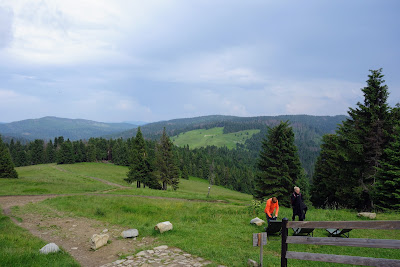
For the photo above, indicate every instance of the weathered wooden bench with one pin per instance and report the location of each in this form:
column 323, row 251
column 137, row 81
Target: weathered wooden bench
column 338, row 241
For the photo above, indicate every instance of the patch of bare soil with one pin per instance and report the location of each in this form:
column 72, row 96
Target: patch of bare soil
column 73, row 233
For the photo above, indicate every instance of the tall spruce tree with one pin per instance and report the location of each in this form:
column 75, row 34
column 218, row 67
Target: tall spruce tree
column 387, row 188
column 167, row 168
column 65, row 154
column 139, row 168
column 279, row 165
column 359, row 146
column 7, row 169
column 327, row 170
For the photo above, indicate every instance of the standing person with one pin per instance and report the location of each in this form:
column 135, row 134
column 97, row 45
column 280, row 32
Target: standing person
column 299, row 208
column 272, row 204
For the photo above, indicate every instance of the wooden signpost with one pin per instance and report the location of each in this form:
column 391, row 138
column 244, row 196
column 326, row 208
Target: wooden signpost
column 259, row 240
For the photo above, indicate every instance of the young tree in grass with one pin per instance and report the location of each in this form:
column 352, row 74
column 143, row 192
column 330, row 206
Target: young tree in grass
column 167, row 168
column 387, row 187
column 7, row 169
column 279, row 166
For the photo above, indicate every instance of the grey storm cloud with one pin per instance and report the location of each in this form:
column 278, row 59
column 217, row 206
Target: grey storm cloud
column 156, row 60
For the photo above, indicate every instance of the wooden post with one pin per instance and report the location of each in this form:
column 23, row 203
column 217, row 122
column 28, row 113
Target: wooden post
column 284, row 245
column 260, row 239
column 260, row 243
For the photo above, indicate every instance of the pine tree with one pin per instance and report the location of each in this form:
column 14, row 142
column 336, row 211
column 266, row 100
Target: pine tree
column 327, row 169
column 50, row 153
column 37, row 152
column 279, row 165
column 139, row 168
column 167, row 169
column 7, row 169
column 65, row 154
column 185, row 173
column 363, row 138
column 387, row 188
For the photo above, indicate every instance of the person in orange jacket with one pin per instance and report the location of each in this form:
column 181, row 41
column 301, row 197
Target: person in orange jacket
column 272, row 204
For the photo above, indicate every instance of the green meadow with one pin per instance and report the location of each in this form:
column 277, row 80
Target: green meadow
column 19, row 248
column 216, row 228
column 212, row 137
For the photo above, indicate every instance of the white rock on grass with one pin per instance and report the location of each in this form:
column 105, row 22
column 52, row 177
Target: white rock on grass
column 98, row 241
column 130, row 233
column 257, row 221
column 49, row 248
column 163, row 226
column 371, row 215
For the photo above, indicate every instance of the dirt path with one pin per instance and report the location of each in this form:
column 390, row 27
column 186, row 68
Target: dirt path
column 73, row 233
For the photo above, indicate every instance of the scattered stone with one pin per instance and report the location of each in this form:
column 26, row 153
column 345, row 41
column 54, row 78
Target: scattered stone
column 252, row 263
column 49, row 248
column 370, row 215
column 98, row 241
column 257, row 221
column 141, row 253
column 104, row 231
column 130, row 233
column 163, row 227
column 164, row 247
column 161, row 256
column 74, row 248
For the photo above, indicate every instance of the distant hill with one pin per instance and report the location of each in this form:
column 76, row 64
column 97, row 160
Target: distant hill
column 49, row 127
column 308, row 132
column 321, row 124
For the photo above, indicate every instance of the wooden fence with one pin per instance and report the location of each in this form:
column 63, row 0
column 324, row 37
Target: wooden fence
column 339, row 241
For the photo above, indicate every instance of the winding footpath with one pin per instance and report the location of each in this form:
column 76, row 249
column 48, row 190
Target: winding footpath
column 73, row 234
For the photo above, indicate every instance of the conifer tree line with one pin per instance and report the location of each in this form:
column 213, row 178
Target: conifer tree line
column 358, row 166
column 233, row 169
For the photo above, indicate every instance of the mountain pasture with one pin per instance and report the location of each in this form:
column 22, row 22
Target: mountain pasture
column 212, row 137
column 216, row 228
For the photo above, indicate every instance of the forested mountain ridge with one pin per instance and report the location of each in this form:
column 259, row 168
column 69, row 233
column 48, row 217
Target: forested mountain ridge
column 231, row 124
column 308, row 131
column 50, row 127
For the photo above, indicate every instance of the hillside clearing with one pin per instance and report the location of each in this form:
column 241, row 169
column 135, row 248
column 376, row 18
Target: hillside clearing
column 212, row 137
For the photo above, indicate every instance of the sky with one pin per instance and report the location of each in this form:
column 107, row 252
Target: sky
column 128, row 60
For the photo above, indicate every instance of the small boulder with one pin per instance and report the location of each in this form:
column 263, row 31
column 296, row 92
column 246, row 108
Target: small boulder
column 163, row 226
column 49, row 248
column 252, row 263
column 370, row 215
column 130, row 233
column 257, row 221
column 98, row 241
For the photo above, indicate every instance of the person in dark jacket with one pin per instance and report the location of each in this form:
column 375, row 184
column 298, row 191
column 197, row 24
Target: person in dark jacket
column 299, row 208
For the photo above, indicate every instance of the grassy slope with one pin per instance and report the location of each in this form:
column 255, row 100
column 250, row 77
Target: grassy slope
column 212, row 137
column 19, row 248
column 48, row 179
column 217, row 231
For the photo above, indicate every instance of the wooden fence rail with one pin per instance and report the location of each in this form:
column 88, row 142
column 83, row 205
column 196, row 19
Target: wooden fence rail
column 338, row 241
